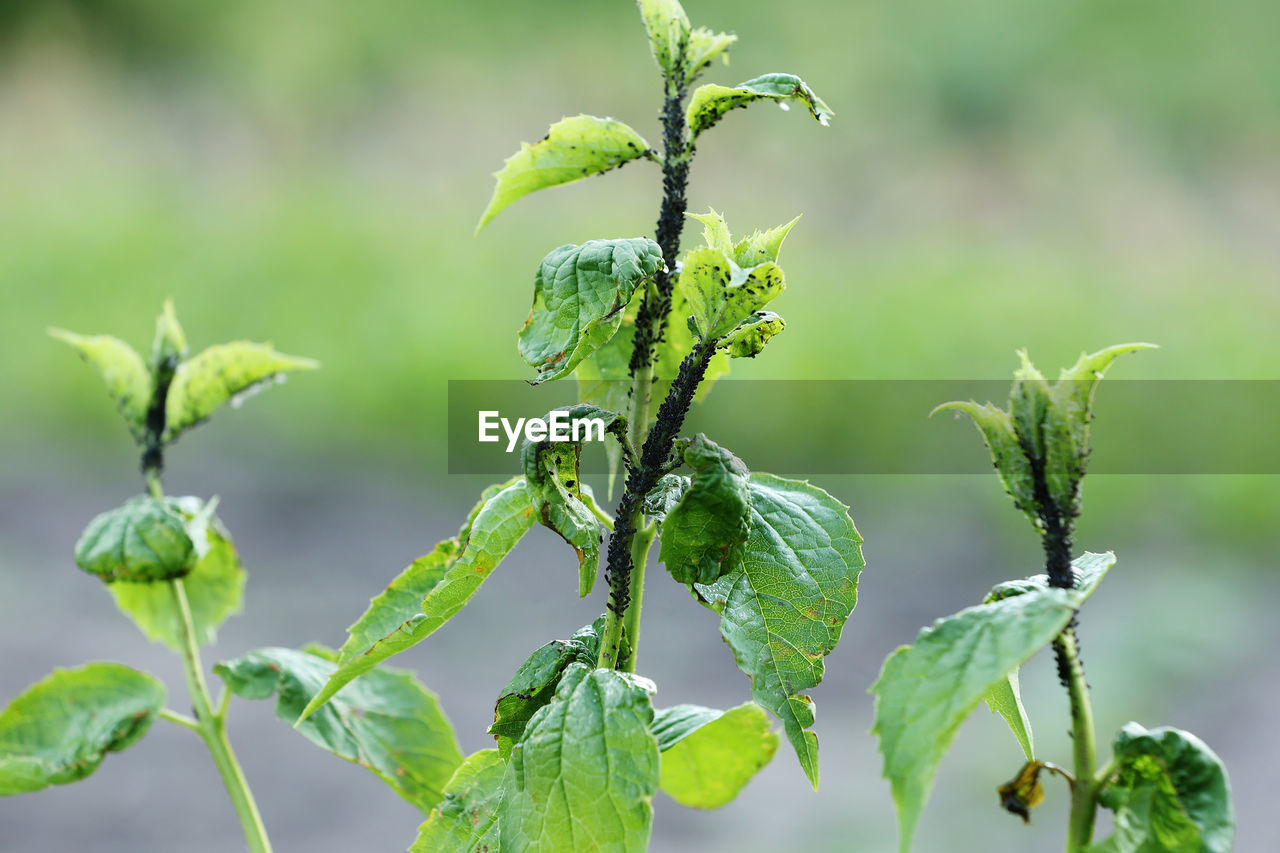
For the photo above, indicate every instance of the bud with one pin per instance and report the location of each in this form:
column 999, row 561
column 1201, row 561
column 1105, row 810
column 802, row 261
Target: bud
column 145, row 540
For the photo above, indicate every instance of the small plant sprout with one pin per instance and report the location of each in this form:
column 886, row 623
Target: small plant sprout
column 169, row 563
column 1167, row 789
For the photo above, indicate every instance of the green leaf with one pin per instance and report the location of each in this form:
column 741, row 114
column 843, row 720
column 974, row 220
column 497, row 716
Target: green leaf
column 710, row 102
column 214, row 588
column 145, row 540
column 58, row 730
column 169, row 346
column 665, row 496
column 221, row 373
column 435, row 587
column 583, row 776
column 126, row 376
column 926, row 690
column 720, row 294
column 715, row 231
column 466, row 820
column 705, row 46
column 668, row 27
column 573, row 148
column 748, row 339
column 386, row 722
column 1170, row 793
column 783, row 611
column 1045, row 428
column 580, row 294
column 534, row 684
column 762, row 246
column 562, row 501
column 708, row 756
column 1005, row 698
column 704, row 533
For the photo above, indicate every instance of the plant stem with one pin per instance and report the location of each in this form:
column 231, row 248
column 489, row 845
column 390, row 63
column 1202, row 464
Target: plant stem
column 1084, row 787
column 629, row 544
column 624, row 592
column 212, row 728
column 179, row 719
column 631, row 620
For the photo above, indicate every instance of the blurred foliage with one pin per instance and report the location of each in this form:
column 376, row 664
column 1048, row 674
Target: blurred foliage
column 1055, row 176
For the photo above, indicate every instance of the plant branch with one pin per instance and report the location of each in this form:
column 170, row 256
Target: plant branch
column 179, row 719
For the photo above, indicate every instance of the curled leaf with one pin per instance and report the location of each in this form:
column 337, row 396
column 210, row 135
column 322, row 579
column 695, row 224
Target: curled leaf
column 143, row 541
column 710, row 101
column 122, row 369
column 580, row 293
column 704, row 533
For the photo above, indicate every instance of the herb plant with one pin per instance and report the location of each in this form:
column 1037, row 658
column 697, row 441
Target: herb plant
column 169, row 563
column 1167, row 789
column 580, row 748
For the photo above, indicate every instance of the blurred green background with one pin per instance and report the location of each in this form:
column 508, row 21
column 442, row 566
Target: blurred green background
column 1057, row 176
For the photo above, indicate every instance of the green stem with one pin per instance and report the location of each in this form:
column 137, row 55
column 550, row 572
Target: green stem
column 212, row 728
column 1084, row 788
column 180, row 719
column 631, row 620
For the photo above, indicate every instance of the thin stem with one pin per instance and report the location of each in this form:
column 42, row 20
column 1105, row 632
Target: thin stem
column 179, row 719
column 212, row 728
column 631, row 620
column 1084, row 788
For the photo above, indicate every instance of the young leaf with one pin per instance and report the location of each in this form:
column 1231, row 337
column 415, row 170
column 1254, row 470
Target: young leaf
column 145, row 540
column 579, row 295
column 214, row 588
column 708, row 756
column 434, row 588
column 386, row 722
column 665, row 496
column 534, row 684
column 169, row 346
column 710, row 102
column 783, row 610
column 221, row 373
column 705, row 46
column 1170, row 793
column 926, row 690
column 721, row 295
column 125, row 374
column 748, row 339
column 573, row 148
column 466, row 820
column 704, row 533
column 584, row 774
column 58, row 730
column 996, row 426
column 668, row 29
column 762, row 246
column 1005, row 698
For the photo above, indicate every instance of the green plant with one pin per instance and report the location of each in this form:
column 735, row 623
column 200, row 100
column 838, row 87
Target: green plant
column 169, row 563
column 1168, row 791
column 580, row 748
